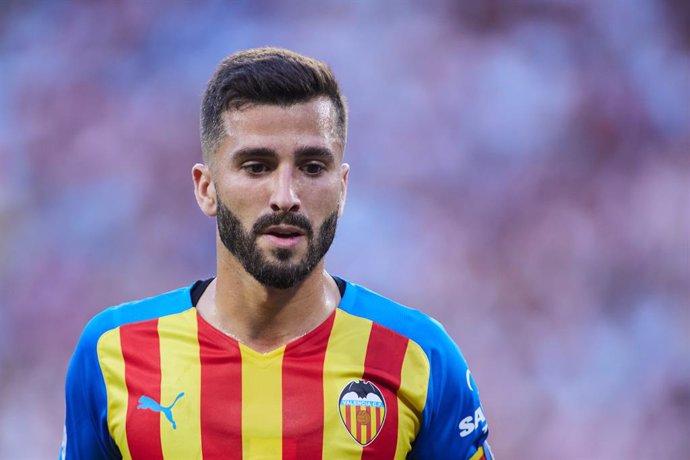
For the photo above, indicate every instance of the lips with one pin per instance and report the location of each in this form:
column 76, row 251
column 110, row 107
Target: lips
column 284, row 236
column 284, row 231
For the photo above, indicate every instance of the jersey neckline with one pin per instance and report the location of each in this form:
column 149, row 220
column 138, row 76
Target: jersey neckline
column 314, row 340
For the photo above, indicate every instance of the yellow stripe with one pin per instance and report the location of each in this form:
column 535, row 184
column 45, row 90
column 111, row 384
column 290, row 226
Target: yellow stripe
column 262, row 404
column 109, row 351
column 374, row 422
column 477, row 455
column 414, row 380
column 180, row 373
column 363, row 435
column 343, row 363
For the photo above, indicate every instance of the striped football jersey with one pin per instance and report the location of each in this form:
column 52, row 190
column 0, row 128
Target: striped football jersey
column 153, row 380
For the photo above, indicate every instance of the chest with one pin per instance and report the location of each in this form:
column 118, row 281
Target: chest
column 174, row 397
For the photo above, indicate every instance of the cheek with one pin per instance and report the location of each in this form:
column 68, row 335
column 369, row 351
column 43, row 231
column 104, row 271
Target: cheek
column 323, row 202
column 324, row 196
column 244, row 204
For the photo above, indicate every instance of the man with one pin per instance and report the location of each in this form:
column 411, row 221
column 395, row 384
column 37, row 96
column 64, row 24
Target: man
column 273, row 358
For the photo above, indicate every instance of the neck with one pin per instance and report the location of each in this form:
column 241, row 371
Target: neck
column 265, row 318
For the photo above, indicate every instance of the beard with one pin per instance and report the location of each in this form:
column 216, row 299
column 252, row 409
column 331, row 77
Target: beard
column 282, row 274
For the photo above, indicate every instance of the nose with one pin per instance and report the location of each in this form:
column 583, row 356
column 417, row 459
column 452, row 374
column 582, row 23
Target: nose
column 284, row 197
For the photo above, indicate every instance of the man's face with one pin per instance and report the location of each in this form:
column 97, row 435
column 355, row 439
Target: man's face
column 280, row 186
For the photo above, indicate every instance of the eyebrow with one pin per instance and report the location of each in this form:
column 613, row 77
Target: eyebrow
column 310, row 152
column 251, row 153
column 302, row 153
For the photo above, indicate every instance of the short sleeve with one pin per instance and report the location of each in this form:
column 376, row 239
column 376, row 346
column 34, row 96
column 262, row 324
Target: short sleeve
column 453, row 425
column 86, row 434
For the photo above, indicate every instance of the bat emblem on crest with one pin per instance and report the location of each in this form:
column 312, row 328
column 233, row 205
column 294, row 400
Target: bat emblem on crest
column 362, row 410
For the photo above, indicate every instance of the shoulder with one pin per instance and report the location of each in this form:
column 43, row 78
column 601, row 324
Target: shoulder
column 420, row 328
column 452, row 418
column 135, row 311
column 85, row 386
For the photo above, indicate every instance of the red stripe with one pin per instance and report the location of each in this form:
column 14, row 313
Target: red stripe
column 369, row 424
column 141, row 353
column 303, row 393
column 382, row 367
column 221, row 393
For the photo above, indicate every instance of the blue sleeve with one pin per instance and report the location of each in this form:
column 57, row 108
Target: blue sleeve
column 453, row 425
column 86, row 434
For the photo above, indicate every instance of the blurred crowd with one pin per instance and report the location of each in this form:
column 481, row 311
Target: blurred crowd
column 520, row 171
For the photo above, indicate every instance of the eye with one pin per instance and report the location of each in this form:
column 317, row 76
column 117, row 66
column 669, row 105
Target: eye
column 255, row 168
column 313, row 169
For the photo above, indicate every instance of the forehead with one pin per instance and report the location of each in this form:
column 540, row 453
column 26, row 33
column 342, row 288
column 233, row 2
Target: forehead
column 312, row 123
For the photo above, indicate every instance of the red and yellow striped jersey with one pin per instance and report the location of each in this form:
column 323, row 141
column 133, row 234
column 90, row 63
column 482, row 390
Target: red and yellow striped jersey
column 153, row 380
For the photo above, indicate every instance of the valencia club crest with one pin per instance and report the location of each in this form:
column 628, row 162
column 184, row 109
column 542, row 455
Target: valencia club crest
column 362, row 410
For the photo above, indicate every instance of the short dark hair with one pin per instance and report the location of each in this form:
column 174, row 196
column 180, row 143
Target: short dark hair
column 265, row 76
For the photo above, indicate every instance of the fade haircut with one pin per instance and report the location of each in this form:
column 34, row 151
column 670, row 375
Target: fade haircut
column 272, row 76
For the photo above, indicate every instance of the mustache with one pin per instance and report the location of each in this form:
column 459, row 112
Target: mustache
column 288, row 218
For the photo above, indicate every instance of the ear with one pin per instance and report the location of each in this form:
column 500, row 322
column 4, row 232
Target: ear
column 344, row 174
column 204, row 189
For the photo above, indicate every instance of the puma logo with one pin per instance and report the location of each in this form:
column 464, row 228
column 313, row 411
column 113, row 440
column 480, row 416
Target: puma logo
column 147, row 403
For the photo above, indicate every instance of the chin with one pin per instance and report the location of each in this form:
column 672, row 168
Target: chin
column 284, row 255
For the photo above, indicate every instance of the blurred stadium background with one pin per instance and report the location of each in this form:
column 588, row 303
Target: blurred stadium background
column 520, row 171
